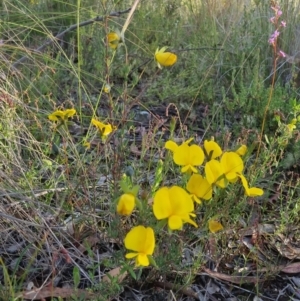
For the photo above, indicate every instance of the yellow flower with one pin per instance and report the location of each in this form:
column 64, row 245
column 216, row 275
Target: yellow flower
column 87, row 144
column 174, row 204
column 253, row 191
column 215, row 174
column 212, row 150
column 185, row 155
column 229, row 168
column 291, row 126
column 107, row 88
column 199, row 188
column 232, row 165
column 126, row 204
column 241, row 151
column 105, row 129
column 164, row 59
column 114, row 39
column 214, row 226
column 188, row 157
column 141, row 240
column 62, row 115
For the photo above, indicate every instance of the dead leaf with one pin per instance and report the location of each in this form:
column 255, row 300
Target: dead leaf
column 292, row 268
column 47, row 292
column 114, row 273
column 233, row 279
column 214, row 226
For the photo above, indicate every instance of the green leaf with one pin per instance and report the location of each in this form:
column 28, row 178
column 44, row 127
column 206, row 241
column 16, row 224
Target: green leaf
column 152, row 261
column 76, row 276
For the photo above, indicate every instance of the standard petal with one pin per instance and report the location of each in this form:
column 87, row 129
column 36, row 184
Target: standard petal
column 181, row 201
column 193, row 184
column 149, row 244
column 161, row 203
column 196, row 155
column 126, row 204
column 213, row 171
column 166, row 59
column 231, row 164
column 212, row 149
column 113, row 40
column 181, row 155
column 205, row 190
column 135, row 239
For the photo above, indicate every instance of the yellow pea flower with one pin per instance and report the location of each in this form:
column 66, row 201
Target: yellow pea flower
column 188, row 157
column 292, row 125
column 126, row 204
column 141, row 240
column 253, row 191
column 199, row 188
column 174, row 204
column 212, row 150
column 62, row 115
column 104, row 129
column 185, row 155
column 215, row 174
column 228, row 168
column 232, row 165
column 164, row 59
column 114, row 39
column 107, row 88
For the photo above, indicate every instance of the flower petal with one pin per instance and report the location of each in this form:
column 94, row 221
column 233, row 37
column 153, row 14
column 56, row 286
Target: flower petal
column 181, row 202
column 149, row 241
column 196, row 155
column 166, row 59
column 69, row 113
column 161, row 204
column 214, row 173
column 212, row 149
column 232, row 164
column 214, row 226
column 175, row 222
column 200, row 187
column 126, row 204
column 113, row 40
column 171, row 145
column 135, row 239
column 142, row 260
column 131, row 255
column 188, row 157
column 254, row 191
